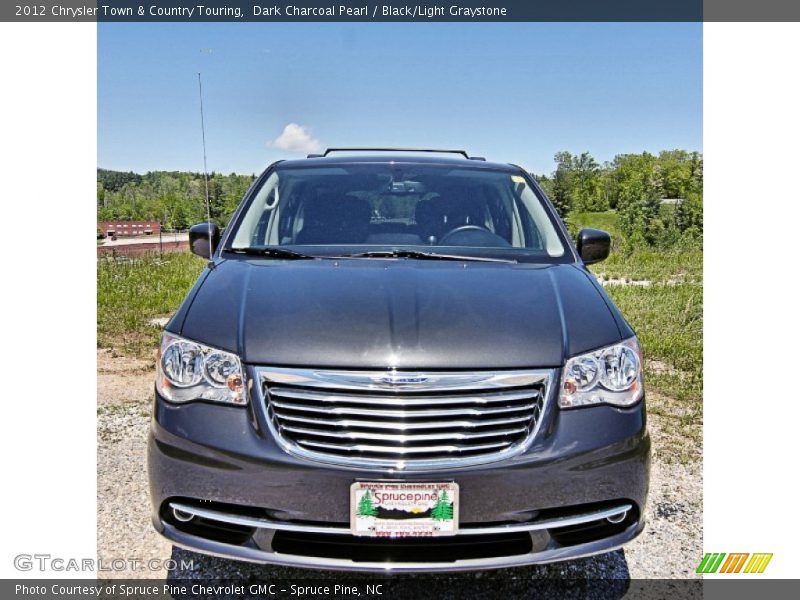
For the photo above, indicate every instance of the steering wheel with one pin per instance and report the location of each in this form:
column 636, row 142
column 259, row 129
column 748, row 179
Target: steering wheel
column 461, row 228
column 488, row 238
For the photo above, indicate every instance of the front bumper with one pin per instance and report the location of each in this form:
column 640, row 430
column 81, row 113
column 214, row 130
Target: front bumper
column 222, row 465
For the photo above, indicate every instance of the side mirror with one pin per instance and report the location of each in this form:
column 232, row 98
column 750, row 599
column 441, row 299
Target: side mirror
column 594, row 245
column 199, row 241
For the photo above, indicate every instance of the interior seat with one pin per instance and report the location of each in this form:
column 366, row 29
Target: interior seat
column 335, row 219
column 436, row 216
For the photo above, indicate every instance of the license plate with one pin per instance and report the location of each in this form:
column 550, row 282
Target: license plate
column 403, row 509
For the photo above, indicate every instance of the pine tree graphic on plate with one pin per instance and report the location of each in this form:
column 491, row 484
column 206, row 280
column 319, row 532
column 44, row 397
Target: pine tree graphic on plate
column 365, row 506
column 443, row 509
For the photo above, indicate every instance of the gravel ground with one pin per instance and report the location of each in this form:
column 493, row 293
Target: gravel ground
column 669, row 547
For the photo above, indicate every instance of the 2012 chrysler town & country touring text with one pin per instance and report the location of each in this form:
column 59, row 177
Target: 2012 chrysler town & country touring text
column 398, row 362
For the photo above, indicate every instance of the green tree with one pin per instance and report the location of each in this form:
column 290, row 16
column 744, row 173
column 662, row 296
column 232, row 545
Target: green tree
column 443, row 509
column 545, row 182
column 177, row 199
column 586, row 191
column 365, row 506
column 561, row 186
column 608, row 186
column 689, row 216
column 216, row 201
column 636, row 190
column 101, row 196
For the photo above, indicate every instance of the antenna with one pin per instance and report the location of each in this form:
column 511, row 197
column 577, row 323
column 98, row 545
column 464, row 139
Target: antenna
column 205, row 170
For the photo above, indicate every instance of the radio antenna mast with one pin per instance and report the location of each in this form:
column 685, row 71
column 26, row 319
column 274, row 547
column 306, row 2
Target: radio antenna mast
column 205, row 170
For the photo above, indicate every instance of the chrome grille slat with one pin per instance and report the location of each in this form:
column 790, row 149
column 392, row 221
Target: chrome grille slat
column 399, row 400
column 377, row 380
column 402, row 450
column 403, row 420
column 449, row 435
column 405, row 426
column 402, row 414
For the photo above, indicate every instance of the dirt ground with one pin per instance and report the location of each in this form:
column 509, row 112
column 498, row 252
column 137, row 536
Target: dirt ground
column 670, row 547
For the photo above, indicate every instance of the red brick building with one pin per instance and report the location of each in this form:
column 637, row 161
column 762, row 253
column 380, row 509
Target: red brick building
column 129, row 228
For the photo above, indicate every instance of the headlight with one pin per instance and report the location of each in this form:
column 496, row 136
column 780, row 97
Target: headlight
column 190, row 371
column 610, row 375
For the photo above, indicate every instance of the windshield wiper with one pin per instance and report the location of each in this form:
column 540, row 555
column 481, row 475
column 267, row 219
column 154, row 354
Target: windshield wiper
column 418, row 254
column 272, row 252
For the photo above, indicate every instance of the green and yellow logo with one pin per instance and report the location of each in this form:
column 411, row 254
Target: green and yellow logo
column 734, row 563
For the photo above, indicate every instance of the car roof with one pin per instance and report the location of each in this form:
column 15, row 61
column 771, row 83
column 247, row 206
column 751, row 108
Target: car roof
column 430, row 159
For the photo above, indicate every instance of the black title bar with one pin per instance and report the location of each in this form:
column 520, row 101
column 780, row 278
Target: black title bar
column 240, row 11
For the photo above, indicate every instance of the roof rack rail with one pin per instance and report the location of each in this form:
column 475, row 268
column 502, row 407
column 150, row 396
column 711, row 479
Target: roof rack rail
column 461, row 152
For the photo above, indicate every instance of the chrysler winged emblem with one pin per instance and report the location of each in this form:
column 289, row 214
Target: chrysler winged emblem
column 403, row 379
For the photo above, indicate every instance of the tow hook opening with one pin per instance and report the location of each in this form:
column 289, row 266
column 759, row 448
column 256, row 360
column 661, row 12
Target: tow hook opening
column 183, row 517
column 618, row 518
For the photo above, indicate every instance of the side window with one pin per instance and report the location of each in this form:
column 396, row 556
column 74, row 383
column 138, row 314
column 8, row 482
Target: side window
column 253, row 228
column 288, row 218
column 543, row 235
column 262, row 228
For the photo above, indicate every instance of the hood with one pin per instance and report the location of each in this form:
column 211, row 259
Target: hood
column 406, row 314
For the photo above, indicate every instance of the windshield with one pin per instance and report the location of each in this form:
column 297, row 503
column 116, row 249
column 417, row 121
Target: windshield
column 362, row 208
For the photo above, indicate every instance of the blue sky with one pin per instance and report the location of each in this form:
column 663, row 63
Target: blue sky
column 516, row 92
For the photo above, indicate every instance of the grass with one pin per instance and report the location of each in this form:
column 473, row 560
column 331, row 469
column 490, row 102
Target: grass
column 132, row 292
column 607, row 221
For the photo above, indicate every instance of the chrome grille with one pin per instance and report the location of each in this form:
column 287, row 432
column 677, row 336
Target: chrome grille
column 404, row 420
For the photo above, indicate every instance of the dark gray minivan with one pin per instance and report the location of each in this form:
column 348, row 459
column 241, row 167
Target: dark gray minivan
column 398, row 362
